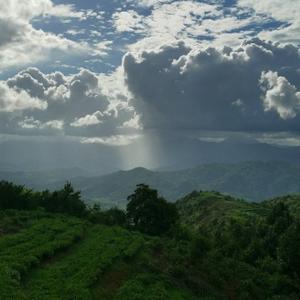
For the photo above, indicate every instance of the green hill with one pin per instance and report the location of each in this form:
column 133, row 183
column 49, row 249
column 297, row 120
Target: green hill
column 213, row 210
column 51, row 256
column 218, row 247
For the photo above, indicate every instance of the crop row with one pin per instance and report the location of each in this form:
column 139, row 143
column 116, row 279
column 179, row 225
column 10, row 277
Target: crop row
column 19, row 252
column 71, row 276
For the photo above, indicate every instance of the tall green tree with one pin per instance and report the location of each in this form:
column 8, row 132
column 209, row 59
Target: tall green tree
column 149, row 213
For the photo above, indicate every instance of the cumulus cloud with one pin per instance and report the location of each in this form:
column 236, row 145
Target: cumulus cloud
column 88, row 120
column 280, row 95
column 12, row 100
column 74, row 105
column 209, row 89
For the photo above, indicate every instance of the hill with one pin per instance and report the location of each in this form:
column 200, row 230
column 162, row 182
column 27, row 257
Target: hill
column 218, row 248
column 213, row 211
column 58, row 257
column 253, row 181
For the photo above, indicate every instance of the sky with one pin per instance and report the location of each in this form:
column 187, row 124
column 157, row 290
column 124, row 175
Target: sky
column 128, row 79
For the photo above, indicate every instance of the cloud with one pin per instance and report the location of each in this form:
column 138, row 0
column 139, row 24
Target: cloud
column 88, row 120
column 149, row 3
column 75, row 105
column 13, row 101
column 280, row 95
column 28, row 9
column 206, row 23
column 126, row 21
column 210, row 89
column 21, row 43
column 30, row 123
column 116, row 140
column 284, row 11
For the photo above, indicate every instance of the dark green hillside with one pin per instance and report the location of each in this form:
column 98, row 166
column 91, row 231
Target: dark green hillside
column 292, row 201
column 66, row 258
column 210, row 247
column 213, row 210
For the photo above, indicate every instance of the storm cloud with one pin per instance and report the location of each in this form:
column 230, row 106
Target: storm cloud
column 175, row 87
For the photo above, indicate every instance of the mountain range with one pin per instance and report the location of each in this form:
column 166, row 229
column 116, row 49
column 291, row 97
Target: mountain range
column 253, row 181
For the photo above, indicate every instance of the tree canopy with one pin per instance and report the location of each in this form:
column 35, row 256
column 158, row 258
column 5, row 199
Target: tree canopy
column 149, row 213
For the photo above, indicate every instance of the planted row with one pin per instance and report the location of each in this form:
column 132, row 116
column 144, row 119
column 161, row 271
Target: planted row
column 72, row 276
column 19, row 252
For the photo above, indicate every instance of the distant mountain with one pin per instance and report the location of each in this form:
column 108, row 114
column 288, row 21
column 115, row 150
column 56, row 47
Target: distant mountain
column 166, row 153
column 46, row 179
column 254, row 181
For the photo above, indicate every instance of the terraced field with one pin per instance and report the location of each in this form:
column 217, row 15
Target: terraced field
column 51, row 257
column 71, row 275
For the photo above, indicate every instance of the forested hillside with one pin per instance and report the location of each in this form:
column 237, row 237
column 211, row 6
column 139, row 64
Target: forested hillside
column 206, row 246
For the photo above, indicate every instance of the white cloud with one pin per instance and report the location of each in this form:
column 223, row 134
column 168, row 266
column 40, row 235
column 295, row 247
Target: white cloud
column 28, row 9
column 21, row 43
column 12, row 101
column 197, row 23
column 116, row 140
column 284, row 11
column 280, row 95
column 149, row 3
column 88, row 120
column 128, row 21
column 31, row 123
column 287, row 10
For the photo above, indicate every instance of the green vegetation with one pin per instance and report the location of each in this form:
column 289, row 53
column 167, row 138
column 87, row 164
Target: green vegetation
column 212, row 211
column 21, row 251
column 208, row 246
column 149, row 213
column 71, row 276
column 65, row 200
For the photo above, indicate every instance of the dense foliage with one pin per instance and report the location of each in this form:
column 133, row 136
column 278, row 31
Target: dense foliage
column 211, row 246
column 149, row 213
column 65, row 200
column 254, row 244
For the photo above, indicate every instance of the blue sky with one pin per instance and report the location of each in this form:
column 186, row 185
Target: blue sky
column 100, row 19
column 110, row 72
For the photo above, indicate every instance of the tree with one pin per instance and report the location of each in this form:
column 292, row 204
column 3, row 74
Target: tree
column 64, row 201
column 288, row 250
column 149, row 213
column 16, row 196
